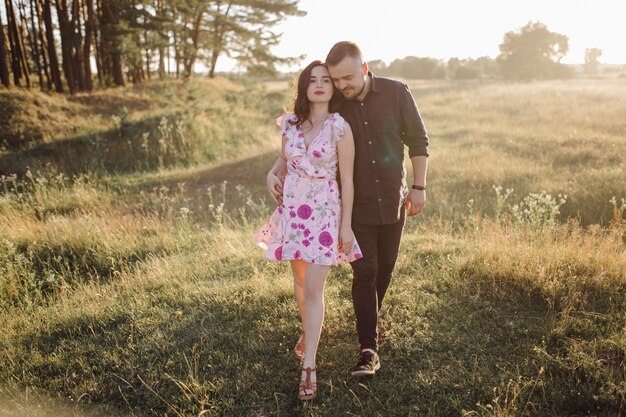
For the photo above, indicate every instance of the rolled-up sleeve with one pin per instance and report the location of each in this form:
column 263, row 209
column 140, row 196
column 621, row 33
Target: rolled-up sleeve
column 414, row 133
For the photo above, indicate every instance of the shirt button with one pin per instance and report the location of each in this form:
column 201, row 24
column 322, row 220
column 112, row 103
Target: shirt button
column 377, row 181
column 366, row 123
column 370, row 142
column 373, row 162
column 361, row 103
column 380, row 199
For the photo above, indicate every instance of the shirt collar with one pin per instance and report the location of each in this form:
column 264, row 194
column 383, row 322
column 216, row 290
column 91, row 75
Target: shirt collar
column 374, row 87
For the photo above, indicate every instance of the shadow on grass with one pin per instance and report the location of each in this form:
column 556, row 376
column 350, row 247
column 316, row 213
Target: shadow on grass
column 48, row 270
column 239, row 185
column 133, row 147
column 109, row 102
column 228, row 352
column 234, row 173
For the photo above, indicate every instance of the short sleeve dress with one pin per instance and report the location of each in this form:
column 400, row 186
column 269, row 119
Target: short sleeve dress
column 306, row 225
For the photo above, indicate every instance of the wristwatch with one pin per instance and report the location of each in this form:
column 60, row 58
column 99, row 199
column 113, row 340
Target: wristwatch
column 419, row 187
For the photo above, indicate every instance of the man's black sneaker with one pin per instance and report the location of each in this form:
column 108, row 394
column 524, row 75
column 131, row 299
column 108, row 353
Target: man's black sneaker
column 368, row 364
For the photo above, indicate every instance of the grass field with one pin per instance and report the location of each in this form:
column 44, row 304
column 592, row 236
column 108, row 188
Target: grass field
column 129, row 285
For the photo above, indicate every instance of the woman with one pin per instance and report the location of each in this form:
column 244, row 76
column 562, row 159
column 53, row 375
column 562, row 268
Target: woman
column 311, row 227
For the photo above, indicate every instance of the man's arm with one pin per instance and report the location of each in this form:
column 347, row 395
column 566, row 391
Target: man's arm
column 417, row 198
column 276, row 175
column 275, row 178
column 414, row 135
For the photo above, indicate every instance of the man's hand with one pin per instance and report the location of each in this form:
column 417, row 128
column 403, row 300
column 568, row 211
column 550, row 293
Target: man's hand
column 275, row 186
column 415, row 202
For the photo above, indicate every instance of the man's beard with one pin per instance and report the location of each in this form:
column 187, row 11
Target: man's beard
column 357, row 94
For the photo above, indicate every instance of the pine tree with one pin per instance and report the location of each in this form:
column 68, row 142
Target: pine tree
column 50, row 43
column 4, row 68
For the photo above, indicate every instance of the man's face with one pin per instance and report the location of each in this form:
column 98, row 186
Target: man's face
column 349, row 76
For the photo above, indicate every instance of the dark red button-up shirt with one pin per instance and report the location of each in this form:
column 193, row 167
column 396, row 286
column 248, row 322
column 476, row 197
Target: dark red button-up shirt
column 383, row 123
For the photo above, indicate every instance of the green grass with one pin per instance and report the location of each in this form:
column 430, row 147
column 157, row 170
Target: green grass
column 558, row 137
column 130, row 286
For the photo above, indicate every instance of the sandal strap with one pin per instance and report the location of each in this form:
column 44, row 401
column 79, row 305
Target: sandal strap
column 303, row 388
column 307, row 380
column 306, row 384
column 308, row 371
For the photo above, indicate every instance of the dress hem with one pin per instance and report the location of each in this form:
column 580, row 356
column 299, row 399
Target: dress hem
column 336, row 263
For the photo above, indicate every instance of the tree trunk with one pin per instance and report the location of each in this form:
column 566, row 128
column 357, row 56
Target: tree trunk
column 218, row 38
column 76, row 42
column 148, row 55
column 190, row 59
column 66, row 44
column 148, row 60
column 4, row 68
column 160, row 14
column 161, row 63
column 36, row 10
column 97, row 42
column 23, row 59
column 112, row 56
column 31, row 36
column 214, row 54
column 135, row 58
column 18, row 58
column 52, row 53
column 89, row 27
column 176, row 53
column 169, row 58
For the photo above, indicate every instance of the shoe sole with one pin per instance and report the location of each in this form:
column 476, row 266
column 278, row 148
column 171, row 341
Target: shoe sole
column 365, row 372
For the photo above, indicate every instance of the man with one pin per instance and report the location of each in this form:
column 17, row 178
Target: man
column 384, row 118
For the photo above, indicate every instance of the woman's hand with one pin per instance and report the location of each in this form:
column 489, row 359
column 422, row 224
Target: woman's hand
column 346, row 239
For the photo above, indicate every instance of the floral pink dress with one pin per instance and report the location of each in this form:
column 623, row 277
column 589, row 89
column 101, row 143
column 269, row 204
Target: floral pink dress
column 306, row 225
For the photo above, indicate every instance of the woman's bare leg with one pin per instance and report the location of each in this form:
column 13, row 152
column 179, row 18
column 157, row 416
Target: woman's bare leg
column 314, row 282
column 299, row 268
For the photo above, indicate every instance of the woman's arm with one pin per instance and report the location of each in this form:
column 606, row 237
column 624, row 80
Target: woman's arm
column 345, row 154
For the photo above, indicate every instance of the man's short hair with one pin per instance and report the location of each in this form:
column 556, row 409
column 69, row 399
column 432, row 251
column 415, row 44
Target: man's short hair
column 341, row 50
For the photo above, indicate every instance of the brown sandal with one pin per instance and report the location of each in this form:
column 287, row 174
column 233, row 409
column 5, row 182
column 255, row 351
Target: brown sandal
column 298, row 350
column 306, row 385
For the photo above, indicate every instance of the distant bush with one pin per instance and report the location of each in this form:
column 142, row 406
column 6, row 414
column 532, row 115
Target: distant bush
column 533, row 52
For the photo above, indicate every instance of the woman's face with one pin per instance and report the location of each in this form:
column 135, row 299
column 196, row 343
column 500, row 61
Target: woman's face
column 320, row 88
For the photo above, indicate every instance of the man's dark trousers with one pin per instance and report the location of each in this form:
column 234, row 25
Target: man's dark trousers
column 372, row 274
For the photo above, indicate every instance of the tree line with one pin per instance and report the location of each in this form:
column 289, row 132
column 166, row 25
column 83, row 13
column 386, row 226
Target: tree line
column 532, row 52
column 59, row 42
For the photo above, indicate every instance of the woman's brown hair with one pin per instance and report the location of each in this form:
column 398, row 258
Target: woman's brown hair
column 301, row 105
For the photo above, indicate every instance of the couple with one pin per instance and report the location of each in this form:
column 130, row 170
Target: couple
column 342, row 195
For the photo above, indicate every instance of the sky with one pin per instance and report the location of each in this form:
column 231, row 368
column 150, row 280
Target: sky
column 443, row 29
